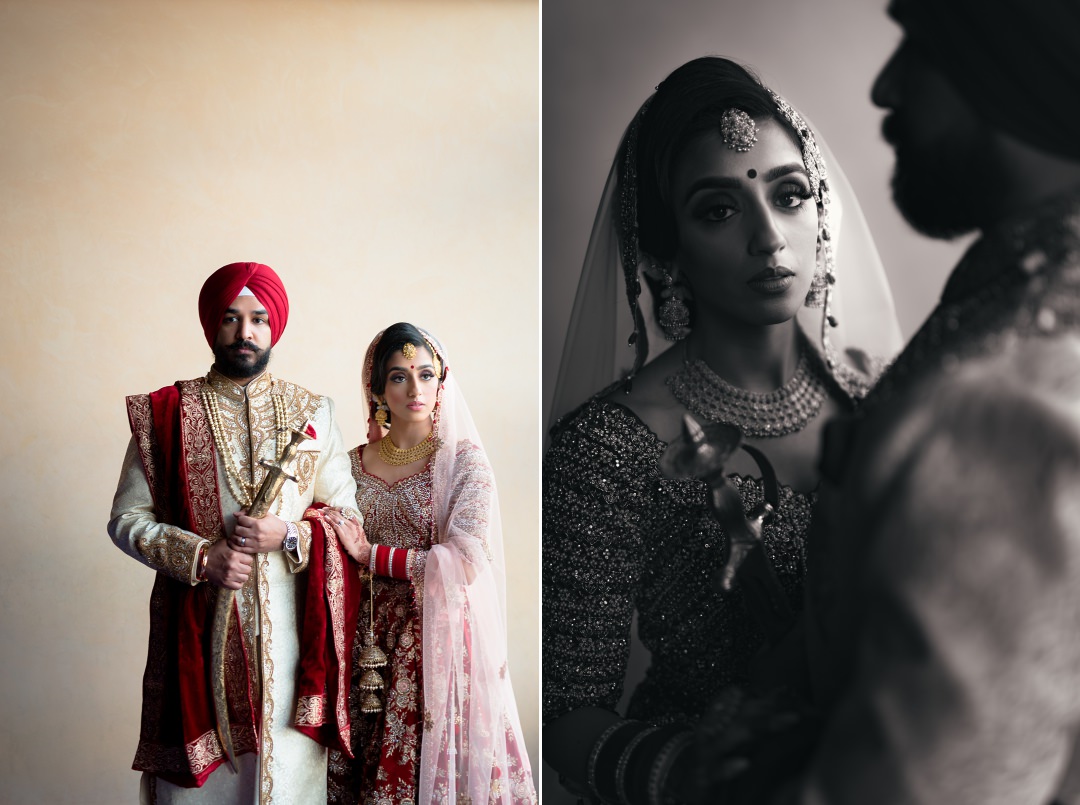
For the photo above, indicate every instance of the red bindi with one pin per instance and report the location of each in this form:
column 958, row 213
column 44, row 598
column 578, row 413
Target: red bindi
column 752, row 173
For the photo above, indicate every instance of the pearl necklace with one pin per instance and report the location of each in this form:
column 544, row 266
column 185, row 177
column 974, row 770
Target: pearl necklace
column 242, row 491
column 774, row 413
column 393, row 455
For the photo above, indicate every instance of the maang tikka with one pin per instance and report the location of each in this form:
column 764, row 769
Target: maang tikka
column 738, row 130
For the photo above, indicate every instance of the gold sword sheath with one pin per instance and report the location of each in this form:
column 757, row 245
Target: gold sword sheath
column 276, row 476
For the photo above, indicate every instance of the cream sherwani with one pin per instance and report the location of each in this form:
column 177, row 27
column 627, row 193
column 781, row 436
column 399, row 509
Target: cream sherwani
column 289, row 767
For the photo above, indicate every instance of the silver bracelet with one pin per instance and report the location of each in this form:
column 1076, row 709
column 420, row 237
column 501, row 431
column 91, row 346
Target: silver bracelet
column 624, row 761
column 594, row 756
column 662, row 766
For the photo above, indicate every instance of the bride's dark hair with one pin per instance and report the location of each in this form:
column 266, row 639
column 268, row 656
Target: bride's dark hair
column 393, row 339
column 688, row 103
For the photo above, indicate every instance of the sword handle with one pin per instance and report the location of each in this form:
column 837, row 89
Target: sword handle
column 276, row 476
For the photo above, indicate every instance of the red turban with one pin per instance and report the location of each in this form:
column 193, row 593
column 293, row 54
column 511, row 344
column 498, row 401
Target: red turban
column 1014, row 61
column 225, row 284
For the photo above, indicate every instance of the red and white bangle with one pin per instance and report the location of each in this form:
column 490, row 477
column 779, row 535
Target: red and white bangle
column 388, row 561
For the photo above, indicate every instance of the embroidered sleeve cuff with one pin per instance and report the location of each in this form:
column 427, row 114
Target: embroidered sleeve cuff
column 417, row 562
column 298, row 560
column 172, row 551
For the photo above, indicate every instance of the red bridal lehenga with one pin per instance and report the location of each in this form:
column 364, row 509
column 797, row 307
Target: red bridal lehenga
column 448, row 731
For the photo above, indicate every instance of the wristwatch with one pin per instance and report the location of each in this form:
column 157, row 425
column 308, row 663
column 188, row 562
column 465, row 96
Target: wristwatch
column 292, row 537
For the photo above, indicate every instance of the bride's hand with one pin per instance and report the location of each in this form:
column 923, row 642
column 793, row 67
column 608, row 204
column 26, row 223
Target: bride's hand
column 351, row 535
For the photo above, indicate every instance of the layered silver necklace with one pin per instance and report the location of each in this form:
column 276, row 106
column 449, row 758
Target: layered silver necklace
column 774, row 413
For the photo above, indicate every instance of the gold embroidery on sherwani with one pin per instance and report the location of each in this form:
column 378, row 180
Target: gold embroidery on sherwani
column 198, row 450
column 247, row 416
column 142, row 427
column 305, row 542
column 203, row 751
column 169, row 550
column 172, row 550
column 266, row 783
column 311, row 711
column 305, row 469
column 249, row 432
column 250, row 628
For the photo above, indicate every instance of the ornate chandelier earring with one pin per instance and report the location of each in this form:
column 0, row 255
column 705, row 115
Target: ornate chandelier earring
column 380, row 412
column 371, row 657
column 815, row 297
column 674, row 314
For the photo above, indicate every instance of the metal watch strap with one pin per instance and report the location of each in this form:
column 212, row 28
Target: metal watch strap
column 292, row 537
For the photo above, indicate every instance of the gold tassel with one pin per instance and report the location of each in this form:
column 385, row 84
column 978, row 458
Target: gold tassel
column 371, row 680
column 371, row 657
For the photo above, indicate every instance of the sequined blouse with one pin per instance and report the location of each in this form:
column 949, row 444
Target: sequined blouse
column 618, row 538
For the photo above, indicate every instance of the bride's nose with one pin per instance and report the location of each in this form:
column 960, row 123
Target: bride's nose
column 765, row 237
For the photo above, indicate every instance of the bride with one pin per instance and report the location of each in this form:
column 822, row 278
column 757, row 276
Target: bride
column 722, row 216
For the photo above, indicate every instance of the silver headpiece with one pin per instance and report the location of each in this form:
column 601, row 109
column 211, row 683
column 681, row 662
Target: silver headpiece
column 738, row 130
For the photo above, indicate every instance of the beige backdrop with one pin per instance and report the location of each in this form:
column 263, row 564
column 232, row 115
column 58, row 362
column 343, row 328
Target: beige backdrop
column 382, row 156
column 602, row 58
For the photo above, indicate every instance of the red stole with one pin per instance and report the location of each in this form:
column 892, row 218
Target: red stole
column 178, row 739
column 331, row 612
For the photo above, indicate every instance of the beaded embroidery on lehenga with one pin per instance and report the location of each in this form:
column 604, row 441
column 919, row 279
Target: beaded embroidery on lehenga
column 619, row 538
column 387, row 744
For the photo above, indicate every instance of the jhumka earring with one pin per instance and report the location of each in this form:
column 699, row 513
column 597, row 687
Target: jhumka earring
column 674, row 314
column 371, row 657
column 815, row 297
column 380, row 413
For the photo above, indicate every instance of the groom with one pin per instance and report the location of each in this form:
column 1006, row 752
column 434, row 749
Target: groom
column 943, row 587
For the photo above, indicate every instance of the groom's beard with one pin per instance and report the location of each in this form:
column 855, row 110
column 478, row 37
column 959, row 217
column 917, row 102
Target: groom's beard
column 240, row 367
column 947, row 188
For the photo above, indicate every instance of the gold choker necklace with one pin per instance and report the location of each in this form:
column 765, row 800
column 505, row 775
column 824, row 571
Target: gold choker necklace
column 393, row 455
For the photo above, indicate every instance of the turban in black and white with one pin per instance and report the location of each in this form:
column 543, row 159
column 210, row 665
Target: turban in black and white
column 1016, row 62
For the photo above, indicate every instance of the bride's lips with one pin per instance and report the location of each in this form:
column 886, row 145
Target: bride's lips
column 415, row 406
column 772, row 281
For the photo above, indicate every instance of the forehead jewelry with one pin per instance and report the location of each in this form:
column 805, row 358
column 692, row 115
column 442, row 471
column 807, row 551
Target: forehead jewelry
column 409, row 351
column 738, row 130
